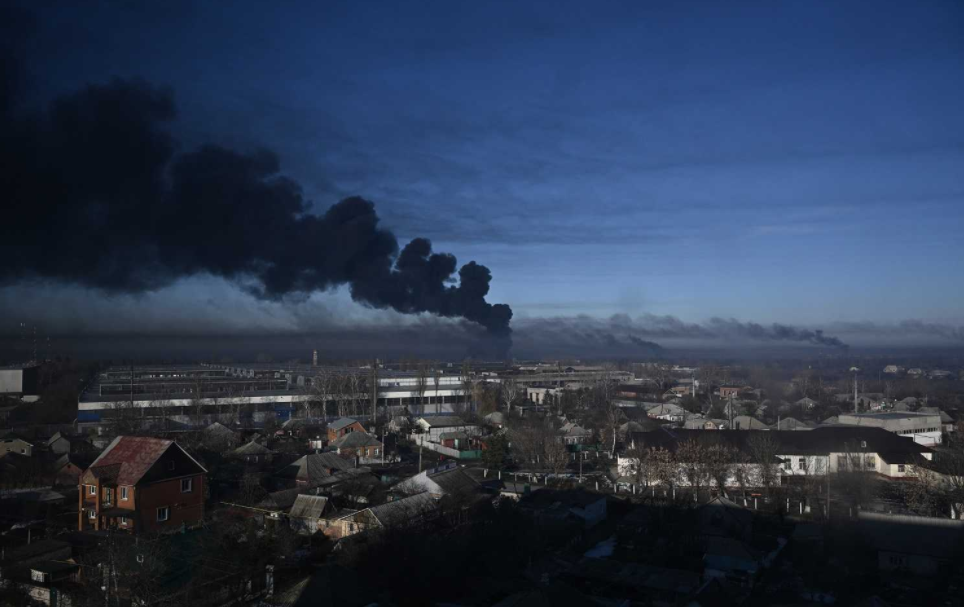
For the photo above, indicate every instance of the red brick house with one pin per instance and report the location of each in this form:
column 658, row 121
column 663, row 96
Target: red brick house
column 361, row 444
column 342, row 426
column 141, row 484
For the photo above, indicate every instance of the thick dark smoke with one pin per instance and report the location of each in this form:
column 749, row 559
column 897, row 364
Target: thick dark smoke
column 95, row 193
column 775, row 332
column 649, row 326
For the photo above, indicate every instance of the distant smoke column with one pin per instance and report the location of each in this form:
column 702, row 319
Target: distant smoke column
column 314, row 358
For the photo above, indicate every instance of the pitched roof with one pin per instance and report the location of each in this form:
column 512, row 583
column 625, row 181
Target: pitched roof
column 819, row 441
column 454, row 481
column 218, row 428
column 341, row 422
column 792, row 423
column 404, row 510
column 443, row 421
column 253, row 448
column 354, row 440
column 280, row 500
column 573, row 429
column 448, row 481
column 746, row 422
column 81, row 460
column 453, row 435
column 309, row 506
column 128, row 458
column 314, row 468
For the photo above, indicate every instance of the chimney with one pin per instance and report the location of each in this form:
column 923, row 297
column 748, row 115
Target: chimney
column 314, row 358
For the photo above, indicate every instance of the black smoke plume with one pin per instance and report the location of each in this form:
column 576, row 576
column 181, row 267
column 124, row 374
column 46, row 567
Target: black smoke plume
column 95, row 193
column 649, row 326
column 774, row 332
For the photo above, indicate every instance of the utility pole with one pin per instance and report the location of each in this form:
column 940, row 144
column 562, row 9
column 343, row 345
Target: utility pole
column 855, row 370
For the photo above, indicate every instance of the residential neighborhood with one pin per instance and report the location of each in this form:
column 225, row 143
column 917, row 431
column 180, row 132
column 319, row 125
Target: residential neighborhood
column 611, row 488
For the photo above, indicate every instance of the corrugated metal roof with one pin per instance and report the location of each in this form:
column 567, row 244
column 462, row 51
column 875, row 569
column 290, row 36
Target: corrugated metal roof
column 355, row 439
column 314, row 468
column 128, row 458
column 309, row 506
column 341, row 422
column 443, row 421
column 404, row 510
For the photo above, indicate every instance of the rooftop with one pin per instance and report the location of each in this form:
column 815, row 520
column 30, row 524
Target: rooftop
column 309, row 506
column 888, row 415
column 443, row 421
column 129, row 458
column 354, row 440
column 341, row 422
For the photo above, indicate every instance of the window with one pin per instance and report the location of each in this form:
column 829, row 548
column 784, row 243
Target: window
column 124, row 493
column 123, row 521
column 802, row 463
column 91, row 514
column 870, row 462
column 91, row 490
column 900, row 467
column 788, row 465
column 187, row 484
column 163, row 513
column 170, row 465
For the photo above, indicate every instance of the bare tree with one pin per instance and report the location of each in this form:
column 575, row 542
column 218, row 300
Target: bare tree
column 764, row 451
column 640, row 468
column 554, row 453
column 744, row 471
column 436, row 380
column 509, row 391
column 421, row 384
column 853, row 480
column 663, row 466
column 353, row 383
column 613, row 416
column 720, row 464
column 318, row 389
column 467, row 388
column 662, row 374
column 693, row 458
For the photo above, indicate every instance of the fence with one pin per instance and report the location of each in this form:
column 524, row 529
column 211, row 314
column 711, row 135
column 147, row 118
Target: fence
column 421, row 439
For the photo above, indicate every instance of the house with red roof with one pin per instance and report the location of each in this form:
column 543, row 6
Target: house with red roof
column 141, row 484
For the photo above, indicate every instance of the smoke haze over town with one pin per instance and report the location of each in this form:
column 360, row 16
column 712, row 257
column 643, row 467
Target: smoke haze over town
column 608, row 172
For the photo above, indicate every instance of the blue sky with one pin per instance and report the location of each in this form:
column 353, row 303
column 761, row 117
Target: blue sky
column 794, row 162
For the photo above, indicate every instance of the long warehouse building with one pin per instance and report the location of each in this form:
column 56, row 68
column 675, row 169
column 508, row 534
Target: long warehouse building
column 253, row 394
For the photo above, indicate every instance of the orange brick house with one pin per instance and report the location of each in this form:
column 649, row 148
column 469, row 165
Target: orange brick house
column 141, row 484
column 342, row 426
